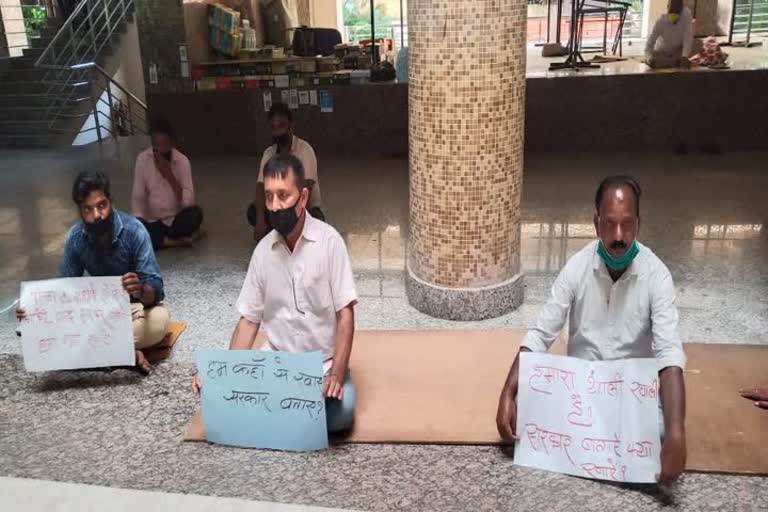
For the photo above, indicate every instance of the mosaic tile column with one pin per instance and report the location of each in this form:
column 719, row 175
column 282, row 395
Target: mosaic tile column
column 466, row 96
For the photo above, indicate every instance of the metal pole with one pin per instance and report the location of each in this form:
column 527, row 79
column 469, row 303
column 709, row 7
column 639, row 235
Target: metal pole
column 749, row 22
column 402, row 35
column 95, row 107
column 90, row 29
column 733, row 21
column 130, row 113
column 373, row 36
column 111, row 106
column 549, row 18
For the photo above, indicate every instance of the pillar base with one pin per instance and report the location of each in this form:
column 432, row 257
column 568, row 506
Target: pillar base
column 464, row 303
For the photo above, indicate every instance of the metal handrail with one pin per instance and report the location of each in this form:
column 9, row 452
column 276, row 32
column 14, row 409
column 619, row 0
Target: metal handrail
column 69, row 63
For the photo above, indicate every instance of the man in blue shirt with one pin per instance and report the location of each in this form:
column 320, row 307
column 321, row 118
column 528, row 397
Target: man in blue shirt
column 108, row 242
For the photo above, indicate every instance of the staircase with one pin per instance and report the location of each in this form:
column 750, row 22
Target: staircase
column 57, row 87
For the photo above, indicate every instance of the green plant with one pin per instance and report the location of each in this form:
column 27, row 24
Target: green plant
column 357, row 18
column 34, row 20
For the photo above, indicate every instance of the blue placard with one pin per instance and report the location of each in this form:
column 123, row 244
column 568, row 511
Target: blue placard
column 263, row 399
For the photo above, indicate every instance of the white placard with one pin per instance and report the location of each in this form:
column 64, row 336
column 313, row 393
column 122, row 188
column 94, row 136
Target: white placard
column 282, row 81
column 313, row 97
column 284, row 96
column 303, row 97
column 267, row 97
column 293, row 99
column 594, row 419
column 80, row 322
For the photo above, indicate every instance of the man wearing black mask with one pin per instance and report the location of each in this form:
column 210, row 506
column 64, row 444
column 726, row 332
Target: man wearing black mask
column 300, row 289
column 108, row 242
column 284, row 142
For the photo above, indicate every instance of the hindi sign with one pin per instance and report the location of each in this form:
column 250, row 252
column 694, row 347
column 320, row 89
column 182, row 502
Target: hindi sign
column 78, row 322
column 263, row 399
column 594, row 419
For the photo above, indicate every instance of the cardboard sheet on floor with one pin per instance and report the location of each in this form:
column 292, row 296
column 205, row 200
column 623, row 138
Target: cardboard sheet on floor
column 164, row 349
column 442, row 387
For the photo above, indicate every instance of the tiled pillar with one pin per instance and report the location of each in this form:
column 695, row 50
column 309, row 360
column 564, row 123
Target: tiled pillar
column 466, row 97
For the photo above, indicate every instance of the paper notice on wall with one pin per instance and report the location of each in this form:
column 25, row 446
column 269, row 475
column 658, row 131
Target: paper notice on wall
column 593, row 419
column 282, row 81
column 293, row 99
column 303, row 97
column 153, row 79
column 79, row 322
column 284, row 95
column 183, row 53
column 326, row 102
column 185, row 69
column 267, row 97
column 313, row 98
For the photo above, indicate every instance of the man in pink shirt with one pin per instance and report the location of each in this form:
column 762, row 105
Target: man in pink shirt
column 163, row 196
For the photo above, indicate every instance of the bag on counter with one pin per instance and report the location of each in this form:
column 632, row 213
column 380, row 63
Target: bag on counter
column 308, row 42
column 711, row 54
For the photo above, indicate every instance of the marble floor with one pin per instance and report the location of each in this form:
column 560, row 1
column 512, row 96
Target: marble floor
column 704, row 215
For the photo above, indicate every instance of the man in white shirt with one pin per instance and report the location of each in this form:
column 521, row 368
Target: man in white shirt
column 284, row 142
column 300, row 288
column 671, row 41
column 620, row 302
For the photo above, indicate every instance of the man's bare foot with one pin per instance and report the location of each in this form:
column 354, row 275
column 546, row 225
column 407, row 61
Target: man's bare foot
column 197, row 235
column 177, row 242
column 142, row 364
column 757, row 394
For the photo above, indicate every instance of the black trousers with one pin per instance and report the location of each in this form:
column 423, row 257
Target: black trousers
column 316, row 212
column 187, row 221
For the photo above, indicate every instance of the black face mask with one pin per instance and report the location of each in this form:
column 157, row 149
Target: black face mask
column 282, row 141
column 167, row 155
column 100, row 229
column 284, row 220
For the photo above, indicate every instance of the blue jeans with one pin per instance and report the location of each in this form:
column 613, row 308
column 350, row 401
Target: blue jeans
column 340, row 413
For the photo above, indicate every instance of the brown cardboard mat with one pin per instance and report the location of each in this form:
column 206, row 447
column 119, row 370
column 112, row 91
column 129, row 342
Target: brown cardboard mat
column 163, row 350
column 442, row 387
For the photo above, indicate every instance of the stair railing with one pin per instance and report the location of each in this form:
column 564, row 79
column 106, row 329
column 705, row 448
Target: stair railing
column 79, row 41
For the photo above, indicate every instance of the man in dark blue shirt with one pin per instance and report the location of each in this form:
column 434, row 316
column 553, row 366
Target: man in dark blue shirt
column 108, row 242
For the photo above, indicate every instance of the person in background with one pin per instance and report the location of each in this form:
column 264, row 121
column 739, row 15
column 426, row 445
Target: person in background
column 670, row 44
column 284, row 142
column 108, row 242
column 163, row 197
column 620, row 301
column 300, row 288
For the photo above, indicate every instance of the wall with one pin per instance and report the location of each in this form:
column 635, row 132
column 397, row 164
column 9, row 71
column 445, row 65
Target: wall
column 614, row 113
column 126, row 62
column 161, row 31
column 326, row 13
column 15, row 36
column 124, row 66
column 3, row 41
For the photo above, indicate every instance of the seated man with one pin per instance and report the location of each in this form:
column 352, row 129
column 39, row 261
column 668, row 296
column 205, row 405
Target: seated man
column 163, row 196
column 300, row 288
column 108, row 242
column 621, row 302
column 670, row 44
column 281, row 122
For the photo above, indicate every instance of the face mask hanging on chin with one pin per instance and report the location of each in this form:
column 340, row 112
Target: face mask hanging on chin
column 617, row 264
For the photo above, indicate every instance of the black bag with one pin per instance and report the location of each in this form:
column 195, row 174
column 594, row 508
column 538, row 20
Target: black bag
column 308, row 42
